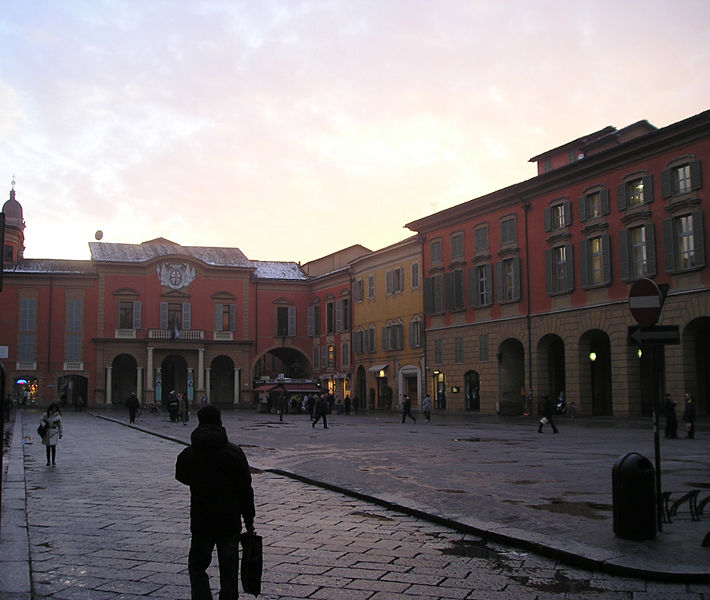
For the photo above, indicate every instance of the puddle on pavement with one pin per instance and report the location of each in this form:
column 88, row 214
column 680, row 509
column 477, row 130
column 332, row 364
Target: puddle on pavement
column 448, row 491
column 471, row 549
column 559, row 584
column 589, row 510
column 368, row 515
column 504, row 441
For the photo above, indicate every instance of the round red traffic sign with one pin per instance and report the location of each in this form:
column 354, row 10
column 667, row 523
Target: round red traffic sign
column 645, row 301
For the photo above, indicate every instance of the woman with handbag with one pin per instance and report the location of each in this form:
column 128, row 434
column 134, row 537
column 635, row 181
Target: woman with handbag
column 51, row 421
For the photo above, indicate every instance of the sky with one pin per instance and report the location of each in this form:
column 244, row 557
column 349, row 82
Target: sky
column 292, row 129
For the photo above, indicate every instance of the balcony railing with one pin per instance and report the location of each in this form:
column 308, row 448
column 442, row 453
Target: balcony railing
column 74, row 366
column 182, row 334
column 126, row 334
column 223, row 335
column 27, row 365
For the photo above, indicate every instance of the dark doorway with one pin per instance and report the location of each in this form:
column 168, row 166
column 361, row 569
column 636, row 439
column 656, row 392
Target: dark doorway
column 174, row 376
column 473, row 390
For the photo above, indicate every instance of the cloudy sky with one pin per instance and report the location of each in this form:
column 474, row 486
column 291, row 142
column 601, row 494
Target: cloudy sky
column 292, row 129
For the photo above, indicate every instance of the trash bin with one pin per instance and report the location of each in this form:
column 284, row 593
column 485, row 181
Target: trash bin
column 634, row 497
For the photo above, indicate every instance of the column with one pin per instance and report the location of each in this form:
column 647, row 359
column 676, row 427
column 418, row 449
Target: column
column 208, row 374
column 201, row 370
column 149, row 380
column 139, row 384
column 108, row 385
column 237, row 385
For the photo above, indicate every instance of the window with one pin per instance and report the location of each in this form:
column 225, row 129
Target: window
column 357, row 290
column 175, row 315
column 683, row 242
column 28, row 325
column 415, row 276
column 371, row 340
column 480, row 286
column 330, row 317
column 453, row 290
column 394, row 281
column 313, row 318
column 285, row 321
column 435, row 251
column 480, row 238
column 344, row 354
column 342, row 315
column 370, row 287
column 224, row 317
column 359, row 342
column 483, row 347
column 637, row 252
column 681, row 179
column 28, row 316
column 558, row 216
column 594, row 204
column 508, row 233
column 438, row 352
column 392, row 338
column 458, row 350
column 331, row 357
column 635, row 192
column 559, row 272
column 73, row 330
column 594, row 260
column 456, row 241
column 433, row 295
column 415, row 333
column 508, row 280
column 129, row 314
column 316, row 357
column 324, row 357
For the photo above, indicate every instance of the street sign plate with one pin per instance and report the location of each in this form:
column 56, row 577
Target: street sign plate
column 645, row 301
column 654, row 334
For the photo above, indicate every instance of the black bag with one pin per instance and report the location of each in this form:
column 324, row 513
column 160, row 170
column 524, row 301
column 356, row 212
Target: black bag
column 42, row 429
column 252, row 563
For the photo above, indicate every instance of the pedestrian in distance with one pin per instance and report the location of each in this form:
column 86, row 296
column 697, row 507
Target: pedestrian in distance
column 547, row 410
column 689, row 415
column 321, row 411
column 52, row 421
column 426, row 407
column 348, row 405
column 184, row 408
column 221, row 497
column 133, row 405
column 407, row 409
column 671, row 417
column 281, row 404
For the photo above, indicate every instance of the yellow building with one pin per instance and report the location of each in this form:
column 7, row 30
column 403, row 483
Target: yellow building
column 388, row 326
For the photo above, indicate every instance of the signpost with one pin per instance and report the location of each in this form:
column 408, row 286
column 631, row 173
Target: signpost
column 646, row 302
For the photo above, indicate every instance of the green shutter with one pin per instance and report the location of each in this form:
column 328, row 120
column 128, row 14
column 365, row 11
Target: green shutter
column 621, row 196
column 137, row 317
column 647, row 189
column 666, row 187
column 186, row 316
column 472, row 285
column 669, row 245
column 624, row 254
column 650, row 248
column 218, row 317
column 291, row 321
column 606, row 255
column 569, row 269
column 605, row 201
column 567, row 207
column 547, row 223
column 516, row 279
column 583, row 264
column 582, row 209
column 163, row 315
column 698, row 239
column 499, row 281
column 695, row 179
column 549, row 282
column 232, row 317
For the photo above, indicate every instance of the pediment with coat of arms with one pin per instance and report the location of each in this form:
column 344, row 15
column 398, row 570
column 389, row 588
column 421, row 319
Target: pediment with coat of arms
column 175, row 276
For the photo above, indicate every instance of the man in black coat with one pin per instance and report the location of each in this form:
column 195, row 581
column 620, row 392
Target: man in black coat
column 133, row 405
column 221, row 496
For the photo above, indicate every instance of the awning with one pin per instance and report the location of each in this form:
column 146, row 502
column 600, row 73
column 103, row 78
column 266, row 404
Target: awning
column 377, row 368
column 290, row 388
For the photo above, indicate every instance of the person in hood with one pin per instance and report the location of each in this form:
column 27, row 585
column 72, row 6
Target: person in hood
column 221, row 497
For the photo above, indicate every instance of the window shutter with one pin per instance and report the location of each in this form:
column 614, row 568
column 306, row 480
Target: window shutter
column 386, row 338
column 499, row 281
column 699, row 239
column 606, row 252
column 582, row 209
column 548, row 224
column 624, row 254
column 316, row 358
column 695, row 179
column 218, row 317
column 411, row 334
column 118, row 314
column 516, row 279
column 650, row 248
column 324, row 357
column 569, row 268
column 186, row 314
column 338, row 315
column 472, row 285
column 549, row 282
column 371, row 340
column 583, row 264
column 666, row 188
column 428, row 296
column 621, row 195
column 163, row 315
column 567, row 207
column 605, row 201
column 309, row 326
column 647, row 189
column 137, row 314
column 489, row 284
column 668, row 245
column 232, row 317
column 291, row 321
column 449, row 301
column 389, row 286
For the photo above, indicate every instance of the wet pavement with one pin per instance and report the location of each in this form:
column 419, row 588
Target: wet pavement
column 469, row 507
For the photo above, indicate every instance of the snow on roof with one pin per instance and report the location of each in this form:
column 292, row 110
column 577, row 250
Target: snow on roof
column 278, row 270
column 218, row 257
column 50, row 265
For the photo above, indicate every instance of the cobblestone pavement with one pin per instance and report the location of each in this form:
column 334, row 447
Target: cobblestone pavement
column 110, row 522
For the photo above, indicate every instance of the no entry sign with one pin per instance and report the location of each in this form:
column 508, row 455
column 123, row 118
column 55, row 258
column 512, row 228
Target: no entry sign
column 645, row 302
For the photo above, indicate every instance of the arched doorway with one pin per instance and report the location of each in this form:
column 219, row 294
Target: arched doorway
column 551, row 366
column 173, row 372
column 288, row 362
column 472, row 382
column 124, row 369
column 595, row 373
column 222, row 381
column 511, row 377
column 74, row 390
column 696, row 359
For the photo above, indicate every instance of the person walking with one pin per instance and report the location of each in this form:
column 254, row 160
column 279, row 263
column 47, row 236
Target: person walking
column 407, row 409
column 671, row 417
column 426, row 407
column 689, row 415
column 547, row 410
column 321, row 411
column 221, row 497
column 184, row 408
column 133, row 405
column 52, row 421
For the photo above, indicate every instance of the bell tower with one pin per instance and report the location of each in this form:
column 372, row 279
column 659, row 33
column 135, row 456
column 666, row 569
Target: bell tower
column 14, row 244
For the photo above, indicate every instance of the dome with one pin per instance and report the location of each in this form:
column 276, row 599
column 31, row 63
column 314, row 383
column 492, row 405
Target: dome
column 13, row 212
